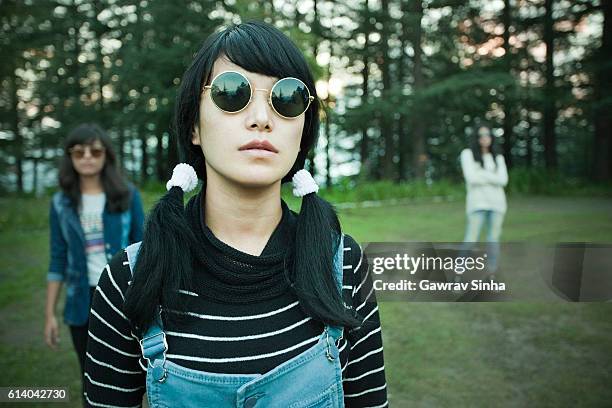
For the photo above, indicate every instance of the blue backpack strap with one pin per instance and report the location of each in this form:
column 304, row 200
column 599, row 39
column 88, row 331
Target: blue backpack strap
column 153, row 344
column 337, row 331
column 132, row 255
column 339, row 263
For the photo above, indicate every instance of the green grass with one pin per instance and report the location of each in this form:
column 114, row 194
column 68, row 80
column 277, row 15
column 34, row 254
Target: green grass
column 436, row 354
column 537, row 219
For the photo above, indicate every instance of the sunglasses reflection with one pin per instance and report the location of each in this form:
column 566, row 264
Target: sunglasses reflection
column 231, row 92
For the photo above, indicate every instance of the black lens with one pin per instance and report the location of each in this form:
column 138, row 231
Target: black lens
column 230, row 91
column 290, row 97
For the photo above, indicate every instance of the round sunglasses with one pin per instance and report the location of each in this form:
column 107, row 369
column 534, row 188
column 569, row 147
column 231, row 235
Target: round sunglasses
column 232, row 92
column 78, row 151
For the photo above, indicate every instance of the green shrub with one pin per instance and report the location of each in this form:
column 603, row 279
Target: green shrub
column 541, row 181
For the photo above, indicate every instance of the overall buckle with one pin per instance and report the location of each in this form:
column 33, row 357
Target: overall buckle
column 160, row 376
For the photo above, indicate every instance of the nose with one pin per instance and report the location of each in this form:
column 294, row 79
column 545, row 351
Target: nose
column 259, row 113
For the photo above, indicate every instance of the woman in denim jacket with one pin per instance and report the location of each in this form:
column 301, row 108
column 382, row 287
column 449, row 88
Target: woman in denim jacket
column 95, row 214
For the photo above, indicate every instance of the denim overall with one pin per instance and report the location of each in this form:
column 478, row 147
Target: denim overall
column 312, row 379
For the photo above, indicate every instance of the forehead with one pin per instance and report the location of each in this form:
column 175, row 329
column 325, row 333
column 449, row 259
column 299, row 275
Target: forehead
column 483, row 131
column 224, row 64
column 91, row 142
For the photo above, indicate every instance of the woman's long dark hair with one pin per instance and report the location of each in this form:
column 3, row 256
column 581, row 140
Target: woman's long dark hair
column 475, row 147
column 164, row 261
column 114, row 185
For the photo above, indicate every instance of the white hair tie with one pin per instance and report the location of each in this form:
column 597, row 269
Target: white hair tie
column 303, row 183
column 183, row 176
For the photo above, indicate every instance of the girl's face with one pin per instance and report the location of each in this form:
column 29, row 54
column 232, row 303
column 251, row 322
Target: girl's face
column 484, row 137
column 222, row 136
column 88, row 158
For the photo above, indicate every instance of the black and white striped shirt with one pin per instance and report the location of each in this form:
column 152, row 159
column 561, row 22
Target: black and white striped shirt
column 233, row 338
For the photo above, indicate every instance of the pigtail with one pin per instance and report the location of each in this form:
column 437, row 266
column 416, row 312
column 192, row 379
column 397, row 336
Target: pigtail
column 317, row 239
column 164, row 260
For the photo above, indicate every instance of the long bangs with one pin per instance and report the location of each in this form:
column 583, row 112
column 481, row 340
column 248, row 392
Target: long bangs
column 264, row 51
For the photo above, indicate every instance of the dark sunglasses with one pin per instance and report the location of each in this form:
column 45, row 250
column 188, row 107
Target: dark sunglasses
column 78, row 152
column 231, row 92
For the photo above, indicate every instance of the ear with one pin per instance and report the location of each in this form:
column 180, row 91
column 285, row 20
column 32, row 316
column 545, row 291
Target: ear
column 195, row 136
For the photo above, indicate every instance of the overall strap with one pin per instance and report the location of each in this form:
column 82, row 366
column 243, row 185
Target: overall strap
column 336, row 331
column 132, row 255
column 153, row 344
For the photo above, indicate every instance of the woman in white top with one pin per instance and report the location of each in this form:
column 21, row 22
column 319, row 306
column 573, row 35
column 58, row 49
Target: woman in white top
column 485, row 176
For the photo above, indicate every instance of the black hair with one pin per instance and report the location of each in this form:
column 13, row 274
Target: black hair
column 159, row 274
column 475, row 145
column 114, row 185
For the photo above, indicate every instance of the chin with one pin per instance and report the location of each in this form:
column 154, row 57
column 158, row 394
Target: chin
column 252, row 178
column 88, row 172
column 253, row 182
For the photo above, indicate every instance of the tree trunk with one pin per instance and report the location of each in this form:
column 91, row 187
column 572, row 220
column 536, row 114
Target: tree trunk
column 18, row 139
column 316, row 28
column 173, row 158
column 402, row 142
column 99, row 29
column 133, row 144
column 508, row 100
column 328, row 113
column 529, row 142
column 328, row 180
column 35, row 162
column 550, row 112
column 419, row 156
column 603, row 91
column 121, row 149
column 385, row 125
column 379, row 143
column 363, row 147
column 160, row 168
column 365, row 74
column 144, row 163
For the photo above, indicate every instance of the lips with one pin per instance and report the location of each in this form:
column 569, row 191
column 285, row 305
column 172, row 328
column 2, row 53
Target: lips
column 259, row 145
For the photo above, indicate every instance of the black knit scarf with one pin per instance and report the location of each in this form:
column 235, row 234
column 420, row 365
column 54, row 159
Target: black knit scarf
column 227, row 275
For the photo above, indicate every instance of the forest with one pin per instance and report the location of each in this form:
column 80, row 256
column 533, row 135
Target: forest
column 403, row 84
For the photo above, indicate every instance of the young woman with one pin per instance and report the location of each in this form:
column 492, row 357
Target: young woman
column 485, row 176
column 95, row 214
column 237, row 300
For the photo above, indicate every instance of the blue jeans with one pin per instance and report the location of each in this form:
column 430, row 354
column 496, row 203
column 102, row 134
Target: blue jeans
column 79, row 340
column 494, row 221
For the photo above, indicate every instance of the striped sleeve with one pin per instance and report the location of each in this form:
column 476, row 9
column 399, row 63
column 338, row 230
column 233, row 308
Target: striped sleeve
column 364, row 381
column 113, row 376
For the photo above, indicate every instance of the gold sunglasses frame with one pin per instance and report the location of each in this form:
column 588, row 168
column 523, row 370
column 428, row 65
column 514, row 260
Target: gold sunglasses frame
column 101, row 149
column 253, row 89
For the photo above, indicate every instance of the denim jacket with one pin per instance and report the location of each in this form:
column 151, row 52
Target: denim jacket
column 68, row 261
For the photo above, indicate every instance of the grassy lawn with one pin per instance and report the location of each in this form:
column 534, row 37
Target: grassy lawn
column 436, row 354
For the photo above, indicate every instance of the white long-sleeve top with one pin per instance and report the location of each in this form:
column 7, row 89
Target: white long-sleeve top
column 485, row 186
